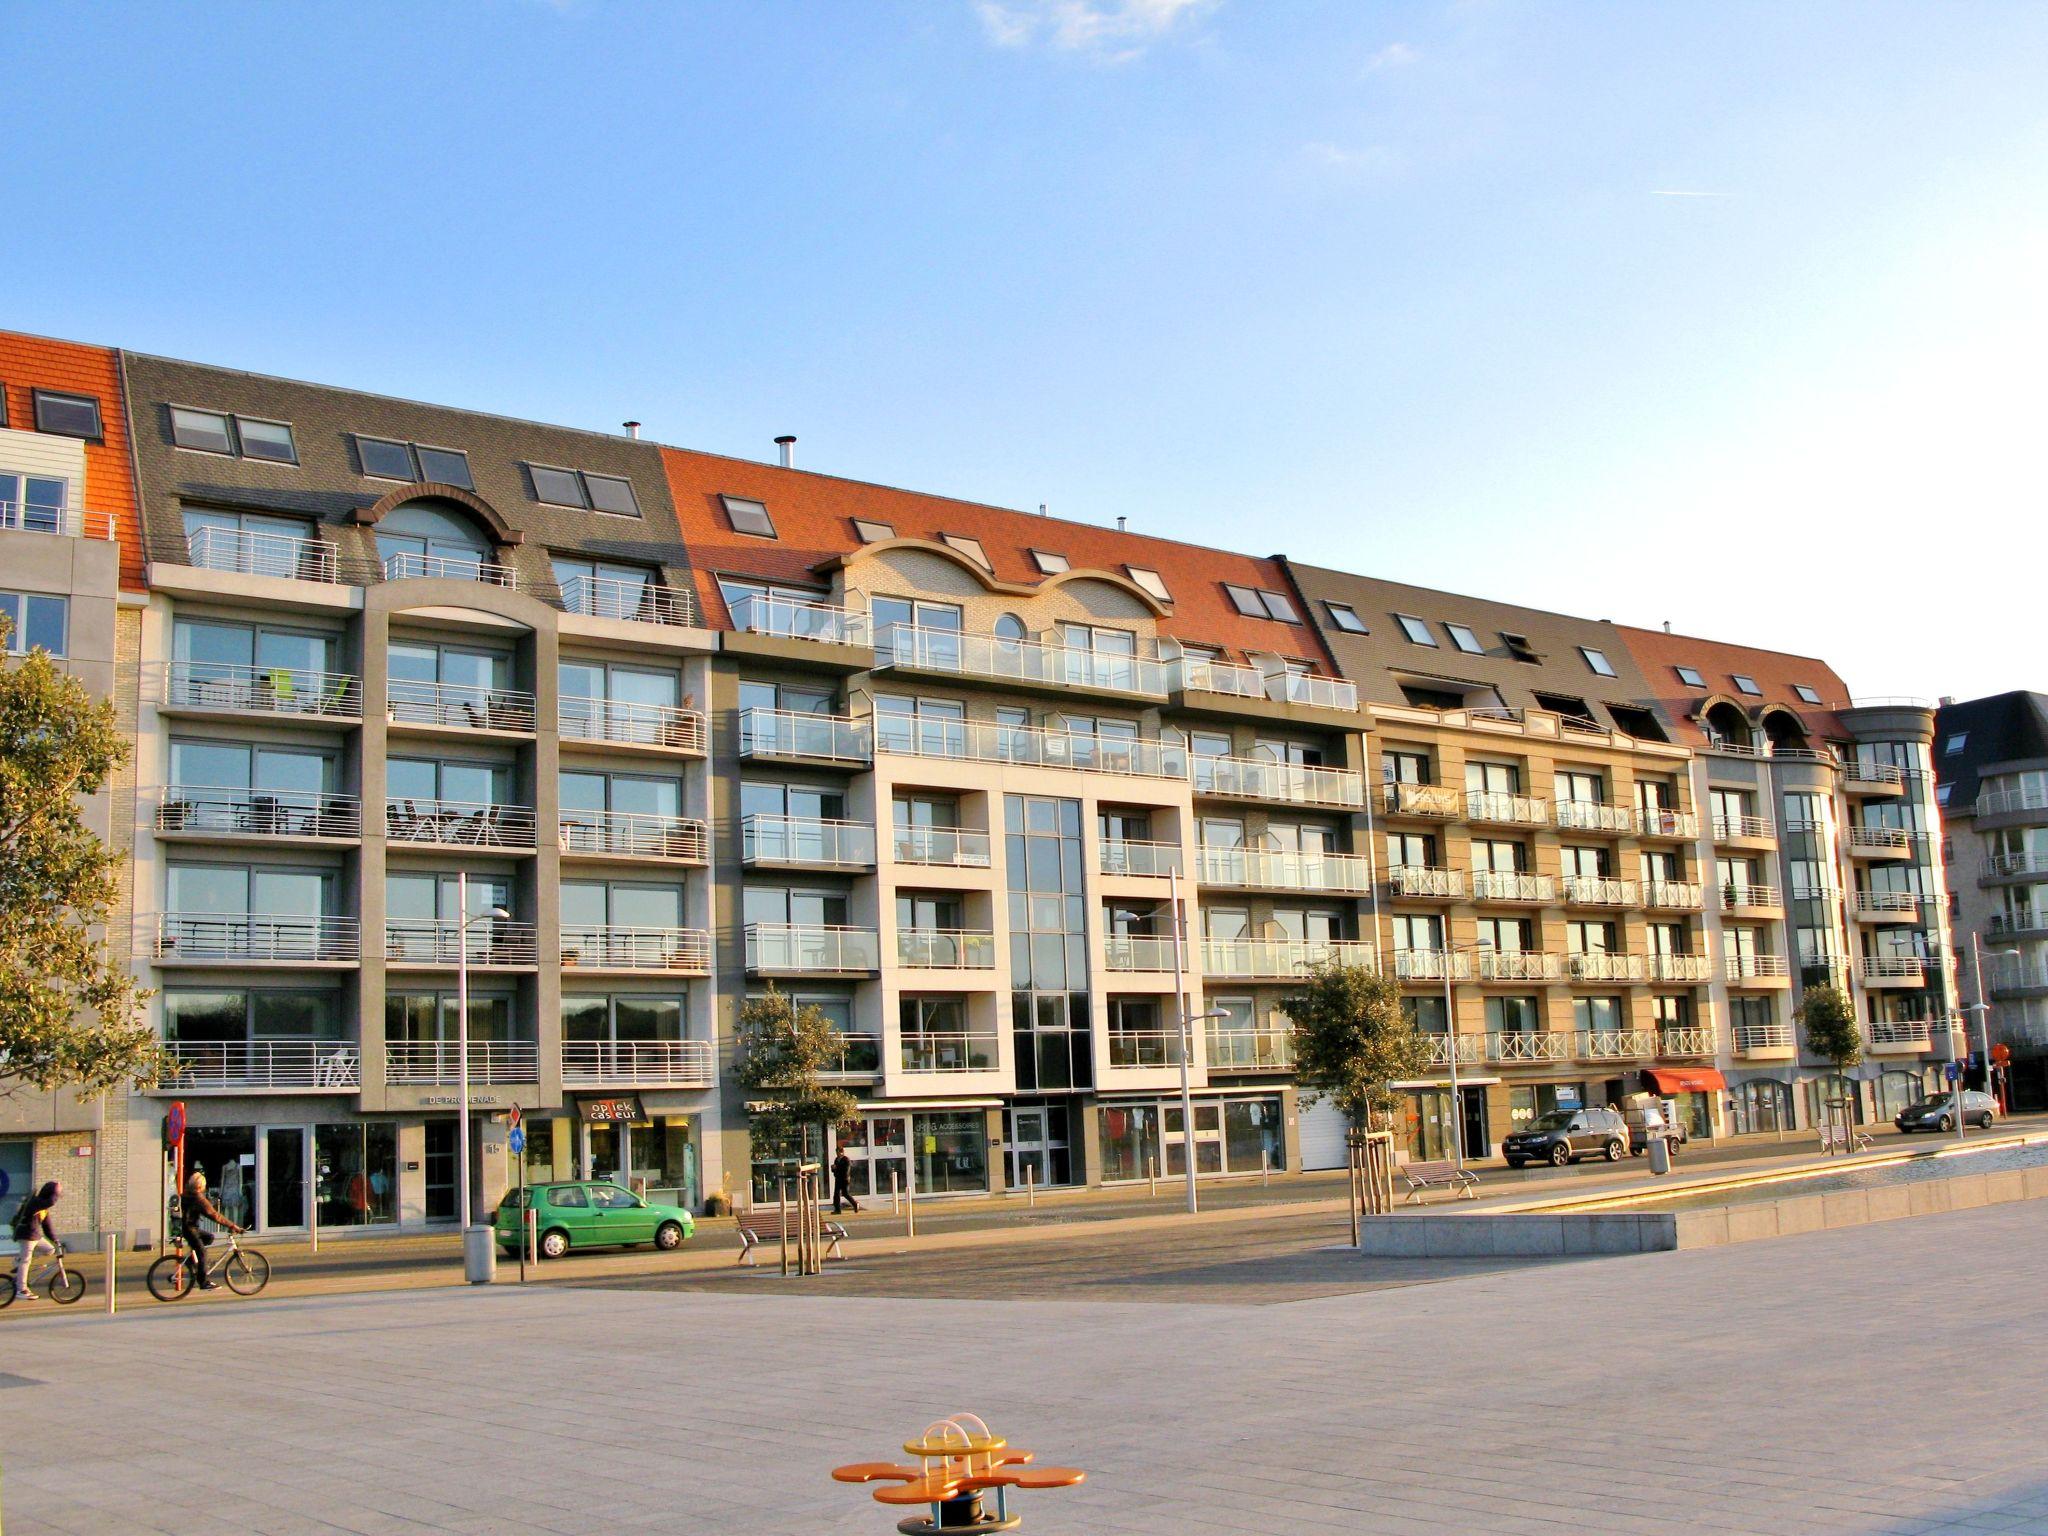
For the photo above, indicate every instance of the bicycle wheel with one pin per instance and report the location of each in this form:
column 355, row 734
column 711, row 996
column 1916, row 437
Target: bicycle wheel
column 246, row 1272
column 64, row 1286
column 170, row 1277
column 7, row 1289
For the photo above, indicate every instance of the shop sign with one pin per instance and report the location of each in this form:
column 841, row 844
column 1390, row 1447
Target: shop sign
column 624, row 1109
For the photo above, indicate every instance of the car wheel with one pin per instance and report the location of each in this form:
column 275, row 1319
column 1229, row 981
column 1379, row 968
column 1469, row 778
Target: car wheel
column 1515, row 1162
column 1560, row 1155
column 1984, row 1120
column 669, row 1235
column 1947, row 1123
column 1612, row 1151
column 554, row 1243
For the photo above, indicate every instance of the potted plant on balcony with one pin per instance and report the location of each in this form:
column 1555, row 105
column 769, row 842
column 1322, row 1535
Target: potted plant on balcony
column 175, row 815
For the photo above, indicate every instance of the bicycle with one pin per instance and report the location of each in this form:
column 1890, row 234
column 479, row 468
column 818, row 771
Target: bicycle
column 245, row 1270
column 61, row 1283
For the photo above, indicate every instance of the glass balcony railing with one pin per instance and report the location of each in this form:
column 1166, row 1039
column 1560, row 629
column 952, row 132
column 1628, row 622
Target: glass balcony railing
column 789, row 618
column 949, row 1053
column 806, row 841
column 1137, row 1048
column 638, row 602
column 946, row 949
column 782, row 733
column 983, row 741
column 1255, row 778
column 1280, row 959
column 943, row 847
column 1280, row 869
column 1152, row 953
column 1031, row 661
column 1251, row 1050
column 812, row 948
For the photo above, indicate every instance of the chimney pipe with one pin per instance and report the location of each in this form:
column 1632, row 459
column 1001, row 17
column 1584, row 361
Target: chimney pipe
column 1041, row 509
column 787, row 443
column 633, row 430
column 1667, row 626
column 1120, row 525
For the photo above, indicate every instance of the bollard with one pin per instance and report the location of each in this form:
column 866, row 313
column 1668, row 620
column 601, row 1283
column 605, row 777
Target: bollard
column 782, row 1195
column 1031, row 1186
column 532, row 1244
column 315, row 1223
column 1266, row 1167
column 1151, row 1174
column 895, row 1194
column 910, row 1207
column 112, row 1242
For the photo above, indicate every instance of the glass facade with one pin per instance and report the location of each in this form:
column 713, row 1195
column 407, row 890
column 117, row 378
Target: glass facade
column 1050, row 1015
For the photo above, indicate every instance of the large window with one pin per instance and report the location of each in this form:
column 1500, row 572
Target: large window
column 219, row 432
column 235, row 1016
column 627, row 1016
column 355, row 1173
column 1049, row 1004
column 437, row 541
column 33, row 503
column 36, row 622
column 64, row 415
column 581, row 488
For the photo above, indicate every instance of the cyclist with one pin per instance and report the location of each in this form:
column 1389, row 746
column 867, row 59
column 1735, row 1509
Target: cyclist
column 34, row 1230
column 190, row 1210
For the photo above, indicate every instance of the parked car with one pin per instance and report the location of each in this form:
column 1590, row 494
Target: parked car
column 1940, row 1114
column 1566, row 1135
column 1654, row 1119
column 590, row 1214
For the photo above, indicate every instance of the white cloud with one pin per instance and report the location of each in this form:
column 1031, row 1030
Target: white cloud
column 1393, row 56
column 1109, row 30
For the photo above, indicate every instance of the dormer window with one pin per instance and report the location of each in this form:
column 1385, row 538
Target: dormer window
column 971, row 548
column 1747, row 685
column 1149, row 581
column 1345, row 617
column 1806, row 695
column 868, row 531
column 1692, row 677
column 1049, row 563
column 750, row 517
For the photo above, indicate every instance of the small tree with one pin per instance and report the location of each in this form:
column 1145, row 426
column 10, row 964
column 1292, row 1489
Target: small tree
column 782, row 1053
column 1353, row 1041
column 1831, row 1030
column 69, row 1016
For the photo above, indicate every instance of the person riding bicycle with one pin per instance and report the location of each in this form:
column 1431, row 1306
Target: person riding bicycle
column 35, row 1230
column 194, row 1206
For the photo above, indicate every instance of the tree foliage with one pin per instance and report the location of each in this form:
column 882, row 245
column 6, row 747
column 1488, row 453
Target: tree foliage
column 782, row 1053
column 69, row 1015
column 1353, row 1041
column 1831, row 1029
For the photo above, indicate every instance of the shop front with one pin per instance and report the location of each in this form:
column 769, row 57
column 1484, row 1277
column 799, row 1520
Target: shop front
column 945, row 1150
column 1692, row 1091
column 280, row 1178
column 1234, row 1134
column 635, row 1140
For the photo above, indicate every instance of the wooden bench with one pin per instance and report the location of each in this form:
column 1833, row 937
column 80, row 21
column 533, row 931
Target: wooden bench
column 1423, row 1177
column 761, row 1226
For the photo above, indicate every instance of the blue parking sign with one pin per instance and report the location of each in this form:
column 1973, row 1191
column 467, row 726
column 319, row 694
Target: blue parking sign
column 1953, row 1071
column 518, row 1138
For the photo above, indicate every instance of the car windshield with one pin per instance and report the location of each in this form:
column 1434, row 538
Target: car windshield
column 1926, row 1106
column 1556, row 1120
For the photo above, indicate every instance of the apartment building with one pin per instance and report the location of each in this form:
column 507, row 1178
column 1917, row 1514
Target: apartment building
column 1991, row 764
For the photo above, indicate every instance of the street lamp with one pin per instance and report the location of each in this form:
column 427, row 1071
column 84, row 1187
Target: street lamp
column 1187, row 1022
column 1982, row 1008
column 472, row 1267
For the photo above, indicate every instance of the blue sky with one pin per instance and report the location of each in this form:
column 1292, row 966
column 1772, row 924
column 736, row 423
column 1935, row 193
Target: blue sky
column 1731, row 315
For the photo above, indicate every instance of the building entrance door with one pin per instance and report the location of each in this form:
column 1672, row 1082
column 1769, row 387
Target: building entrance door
column 1208, row 1139
column 1474, row 1105
column 1040, row 1142
column 440, row 1170
column 284, row 1177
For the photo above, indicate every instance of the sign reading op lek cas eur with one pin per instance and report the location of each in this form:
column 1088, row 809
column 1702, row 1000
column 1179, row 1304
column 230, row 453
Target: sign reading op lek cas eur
column 623, row 1109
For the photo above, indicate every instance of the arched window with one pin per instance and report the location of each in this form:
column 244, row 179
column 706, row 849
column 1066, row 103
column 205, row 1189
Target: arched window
column 1727, row 724
column 432, row 539
column 1784, row 730
column 1763, row 1104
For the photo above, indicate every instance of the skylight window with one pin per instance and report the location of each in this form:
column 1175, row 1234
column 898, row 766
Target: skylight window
column 1747, row 685
column 270, row 440
column 218, row 432
column 67, row 415
column 1464, row 639
column 445, row 466
column 1049, row 563
column 576, row 488
column 971, row 548
column 1149, row 580
column 1806, row 695
column 1417, row 630
column 1690, row 676
column 613, row 494
column 1941, row 793
column 385, row 460
column 1278, row 607
column 748, row 517
column 1520, row 648
column 871, row 532
column 1597, row 660
column 1955, row 744
column 1345, row 617
column 1245, row 601
column 201, row 431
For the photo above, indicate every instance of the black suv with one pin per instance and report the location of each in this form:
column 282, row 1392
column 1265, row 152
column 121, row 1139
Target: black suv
column 1566, row 1135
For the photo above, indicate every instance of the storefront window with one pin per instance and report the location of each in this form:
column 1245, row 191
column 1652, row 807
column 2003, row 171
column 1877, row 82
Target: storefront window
column 539, row 1156
column 664, row 1159
column 1426, row 1123
column 1527, row 1101
column 1762, row 1104
column 774, row 1159
column 1130, row 1142
column 1252, row 1135
column 951, row 1151
column 355, row 1174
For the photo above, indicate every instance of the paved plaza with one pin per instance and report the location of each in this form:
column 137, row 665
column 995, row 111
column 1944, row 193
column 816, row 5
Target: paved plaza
column 1886, row 1379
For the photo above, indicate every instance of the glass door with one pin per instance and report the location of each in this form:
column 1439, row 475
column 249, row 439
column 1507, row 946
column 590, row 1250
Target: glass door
column 440, row 1170
column 1208, row 1139
column 284, row 1177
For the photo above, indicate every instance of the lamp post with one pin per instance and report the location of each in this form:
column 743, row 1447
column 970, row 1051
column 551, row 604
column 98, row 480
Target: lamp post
column 1187, row 1042
column 462, row 923
column 1982, row 1008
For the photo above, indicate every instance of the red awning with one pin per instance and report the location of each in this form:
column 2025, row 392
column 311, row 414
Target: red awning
column 1684, row 1079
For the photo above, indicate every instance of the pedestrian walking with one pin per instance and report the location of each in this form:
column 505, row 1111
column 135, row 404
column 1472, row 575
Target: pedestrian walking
column 842, row 1183
column 35, row 1230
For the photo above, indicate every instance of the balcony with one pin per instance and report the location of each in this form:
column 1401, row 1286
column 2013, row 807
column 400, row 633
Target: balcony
column 1137, row 1048
column 1681, row 968
column 1426, row 802
column 1513, row 1045
column 1673, row 895
column 1258, row 778
column 1251, row 1050
column 1276, row 869
column 859, row 1056
column 411, row 567
column 1880, row 843
column 622, row 723
column 492, row 1063
column 1123, row 856
column 1278, row 959
column 1896, row 970
column 1668, row 825
column 1738, row 829
column 631, row 835
column 2018, row 925
column 1471, row 1049
column 63, row 522
column 639, row 1064
column 946, row 949
column 636, row 602
column 1520, row 965
column 1510, row 885
column 460, row 707
column 1420, row 882
column 1890, row 907
column 261, row 1066
column 1607, row 967
column 1431, row 965
column 948, row 1053
column 1593, row 816
column 218, row 688
column 805, row 842
column 788, row 736
column 1195, row 674
column 1772, row 1040
column 236, row 938
column 1616, row 1044
column 1688, row 1040
column 1028, row 746
column 1484, row 805
column 1044, row 663
column 1906, row 1035
column 1751, row 897
column 294, row 557
column 458, row 824
column 1147, row 952
column 942, row 847
column 194, row 812
column 2022, row 803
column 1860, row 778
column 1600, row 891
column 812, row 949
column 437, row 943
column 1755, row 970
column 604, row 947
column 2025, row 862
column 788, row 618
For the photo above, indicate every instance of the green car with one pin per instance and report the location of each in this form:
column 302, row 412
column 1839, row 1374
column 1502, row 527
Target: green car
column 590, row 1214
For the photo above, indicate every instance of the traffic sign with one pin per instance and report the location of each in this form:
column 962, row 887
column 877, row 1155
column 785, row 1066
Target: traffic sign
column 517, row 1139
column 174, row 1123
column 2001, row 1053
column 514, row 1116
column 1952, row 1070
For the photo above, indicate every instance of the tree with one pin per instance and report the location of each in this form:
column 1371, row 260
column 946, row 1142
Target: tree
column 1353, row 1041
column 69, row 1016
column 782, row 1053
column 1831, row 1029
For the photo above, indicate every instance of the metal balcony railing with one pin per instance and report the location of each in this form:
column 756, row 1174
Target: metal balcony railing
column 1147, row 952
column 1422, row 882
column 67, row 522
column 1606, row 967
column 632, row 835
column 1515, row 810
column 460, row 706
column 1282, row 869
column 1858, row 774
column 1035, row 661
column 1144, row 1047
column 298, row 557
column 1753, row 967
column 639, row 602
column 630, row 724
column 1684, row 968
column 1520, row 965
column 206, row 810
column 1673, row 895
column 491, row 1062
column 1527, row 1045
column 1657, row 821
column 1737, row 894
column 1893, row 903
column 1431, row 965
column 1593, row 816
column 859, row 1056
column 1470, row 1048
column 1616, row 1044
column 1510, row 885
column 1895, row 1032
column 458, row 823
column 260, row 1066
column 2005, row 802
column 1251, row 1050
column 410, row 567
column 809, row 841
column 1897, row 967
column 943, row 847
column 1029, row 746
column 441, row 941
column 1600, row 891
column 1124, row 856
column 1880, row 840
column 790, row 618
column 212, row 685
column 1728, row 828
column 1762, row 1037
column 946, row 949
column 642, row 1063
column 785, row 733
column 1258, row 778
column 805, row 948
column 1687, row 1040
column 1438, row 802
column 606, row 947
column 948, row 1052
column 2025, row 862
column 208, row 938
column 2004, row 924
column 1281, row 959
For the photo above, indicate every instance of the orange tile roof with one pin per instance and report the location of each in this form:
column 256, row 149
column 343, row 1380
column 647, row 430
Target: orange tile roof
column 1775, row 672
column 813, row 522
column 35, row 362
